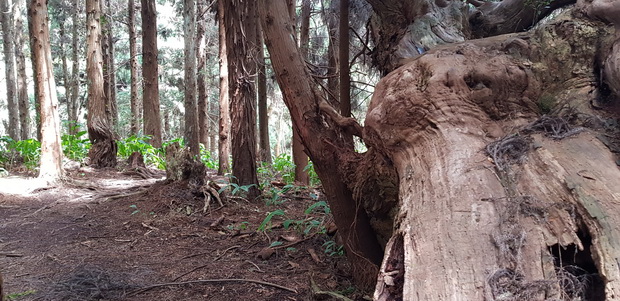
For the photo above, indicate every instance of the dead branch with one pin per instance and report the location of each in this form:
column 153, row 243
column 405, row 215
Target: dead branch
column 144, row 289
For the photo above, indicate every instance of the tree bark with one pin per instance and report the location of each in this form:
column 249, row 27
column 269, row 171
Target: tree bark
column 51, row 151
column 525, row 217
column 261, row 86
column 133, row 63
column 191, row 115
column 111, row 69
column 201, row 82
column 224, row 101
column 75, row 72
column 343, row 59
column 103, row 150
column 150, row 94
column 65, row 70
column 332, row 59
column 240, row 22
column 20, row 60
column 323, row 143
column 6, row 18
column 300, row 159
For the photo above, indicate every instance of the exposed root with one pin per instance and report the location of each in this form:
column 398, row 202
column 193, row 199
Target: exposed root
column 509, row 150
column 552, row 127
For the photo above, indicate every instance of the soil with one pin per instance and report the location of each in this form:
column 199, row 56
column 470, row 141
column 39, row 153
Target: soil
column 105, row 235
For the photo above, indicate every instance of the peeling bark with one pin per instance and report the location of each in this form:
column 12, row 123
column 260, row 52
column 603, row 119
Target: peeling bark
column 468, row 227
column 51, row 150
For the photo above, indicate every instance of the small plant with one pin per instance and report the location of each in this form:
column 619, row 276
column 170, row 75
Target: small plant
column 333, row 249
column 266, row 224
column 314, row 178
column 135, row 209
column 284, row 167
column 15, row 296
column 76, row 147
column 236, row 189
column 152, row 156
column 207, row 159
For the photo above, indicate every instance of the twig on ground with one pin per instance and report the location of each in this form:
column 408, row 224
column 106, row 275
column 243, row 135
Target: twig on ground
column 293, row 243
column 205, row 265
column 144, row 289
column 11, row 254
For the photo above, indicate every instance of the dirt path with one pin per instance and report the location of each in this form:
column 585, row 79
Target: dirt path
column 108, row 236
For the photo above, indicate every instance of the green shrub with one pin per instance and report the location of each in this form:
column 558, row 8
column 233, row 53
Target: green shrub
column 75, row 147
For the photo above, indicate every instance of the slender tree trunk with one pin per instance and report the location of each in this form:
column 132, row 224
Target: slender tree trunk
column 324, row 144
column 103, row 150
column 201, row 57
column 224, row 101
column 111, row 76
column 75, row 71
column 192, row 131
column 6, row 17
column 332, row 59
column 133, row 63
column 261, row 86
column 300, row 159
column 20, row 60
column 343, row 59
column 51, row 151
column 150, row 94
column 65, row 70
column 240, row 22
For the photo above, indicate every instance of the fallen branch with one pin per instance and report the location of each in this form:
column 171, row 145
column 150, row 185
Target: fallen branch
column 205, row 265
column 145, row 289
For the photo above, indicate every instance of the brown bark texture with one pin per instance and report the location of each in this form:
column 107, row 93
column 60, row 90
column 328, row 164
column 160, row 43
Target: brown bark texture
column 300, row 159
column 103, row 150
column 496, row 201
column 192, row 131
column 150, row 94
column 51, row 151
column 240, row 21
column 343, row 60
column 111, row 68
column 323, row 143
column 133, row 65
column 75, row 70
column 201, row 69
column 20, row 62
column 8, row 48
column 65, row 69
column 264, row 146
column 224, row 101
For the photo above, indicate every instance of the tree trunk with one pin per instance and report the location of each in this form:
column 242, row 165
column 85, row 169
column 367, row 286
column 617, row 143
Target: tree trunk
column 150, row 94
column 51, row 151
column 9, row 61
column 133, row 63
column 201, row 57
column 103, row 150
column 323, row 143
column 343, row 58
column 224, row 101
column 65, row 70
column 332, row 62
column 300, row 159
column 240, row 22
column 111, row 74
column 261, row 86
column 192, row 131
column 20, row 60
column 75, row 72
column 494, row 204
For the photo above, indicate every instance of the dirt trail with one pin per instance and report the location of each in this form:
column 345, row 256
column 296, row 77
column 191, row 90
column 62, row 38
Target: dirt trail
column 108, row 235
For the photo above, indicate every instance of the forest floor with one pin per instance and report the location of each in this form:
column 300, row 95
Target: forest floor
column 105, row 235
